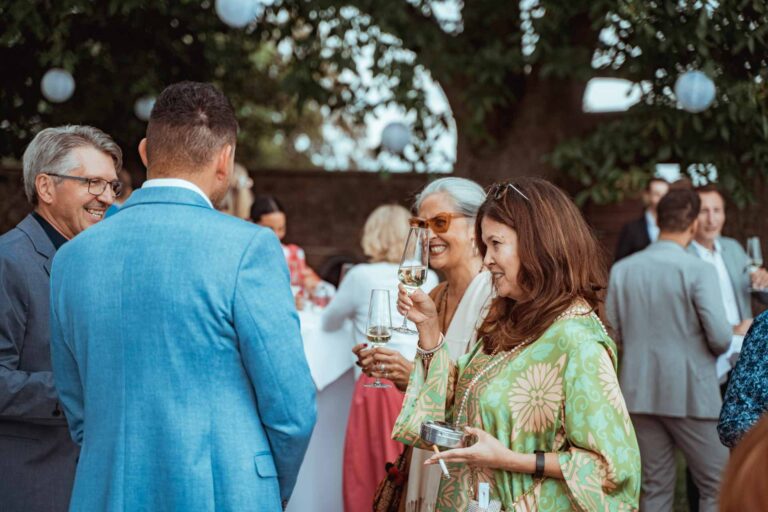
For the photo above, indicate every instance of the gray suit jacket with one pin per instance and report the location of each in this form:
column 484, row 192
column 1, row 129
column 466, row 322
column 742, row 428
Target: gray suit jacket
column 736, row 261
column 666, row 308
column 37, row 456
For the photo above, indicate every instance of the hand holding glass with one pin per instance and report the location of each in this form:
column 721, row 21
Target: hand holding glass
column 379, row 327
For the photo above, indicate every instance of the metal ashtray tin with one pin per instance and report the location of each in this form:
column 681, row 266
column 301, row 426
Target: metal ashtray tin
column 442, row 434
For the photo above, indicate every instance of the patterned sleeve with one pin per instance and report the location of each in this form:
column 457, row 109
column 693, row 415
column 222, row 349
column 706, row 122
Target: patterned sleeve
column 747, row 396
column 428, row 397
column 602, row 465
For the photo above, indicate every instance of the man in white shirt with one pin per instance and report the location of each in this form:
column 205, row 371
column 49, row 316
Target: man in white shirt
column 736, row 282
column 729, row 259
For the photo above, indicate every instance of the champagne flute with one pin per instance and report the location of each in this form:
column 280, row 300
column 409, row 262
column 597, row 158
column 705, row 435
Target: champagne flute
column 378, row 330
column 754, row 257
column 413, row 266
column 754, row 253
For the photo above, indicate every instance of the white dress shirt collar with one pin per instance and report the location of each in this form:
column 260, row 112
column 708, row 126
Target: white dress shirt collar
column 653, row 228
column 177, row 182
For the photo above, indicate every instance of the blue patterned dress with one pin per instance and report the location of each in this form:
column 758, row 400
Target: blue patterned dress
column 747, row 396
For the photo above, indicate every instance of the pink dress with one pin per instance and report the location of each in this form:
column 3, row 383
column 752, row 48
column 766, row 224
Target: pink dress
column 368, row 446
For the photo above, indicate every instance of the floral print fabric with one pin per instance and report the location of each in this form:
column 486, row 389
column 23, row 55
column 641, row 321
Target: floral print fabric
column 746, row 399
column 559, row 394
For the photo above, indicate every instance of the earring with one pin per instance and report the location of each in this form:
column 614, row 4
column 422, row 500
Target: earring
column 475, row 250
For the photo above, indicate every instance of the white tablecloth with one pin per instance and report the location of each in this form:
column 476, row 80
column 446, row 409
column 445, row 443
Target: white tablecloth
column 318, row 488
column 329, row 354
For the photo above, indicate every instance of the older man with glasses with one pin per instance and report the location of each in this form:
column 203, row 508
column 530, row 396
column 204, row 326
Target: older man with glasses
column 70, row 178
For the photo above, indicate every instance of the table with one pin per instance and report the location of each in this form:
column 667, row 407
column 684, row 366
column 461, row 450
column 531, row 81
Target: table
column 319, row 484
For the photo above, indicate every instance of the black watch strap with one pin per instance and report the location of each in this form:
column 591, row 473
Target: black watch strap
column 539, row 473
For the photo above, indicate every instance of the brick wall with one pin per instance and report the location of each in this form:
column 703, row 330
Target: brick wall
column 326, row 210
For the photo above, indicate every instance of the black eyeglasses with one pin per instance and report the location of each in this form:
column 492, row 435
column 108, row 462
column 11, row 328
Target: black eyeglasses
column 499, row 190
column 96, row 186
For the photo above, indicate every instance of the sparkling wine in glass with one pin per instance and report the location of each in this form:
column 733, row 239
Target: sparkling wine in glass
column 754, row 253
column 413, row 266
column 754, row 258
column 378, row 330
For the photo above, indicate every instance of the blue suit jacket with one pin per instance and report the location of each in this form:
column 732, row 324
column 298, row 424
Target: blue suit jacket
column 178, row 358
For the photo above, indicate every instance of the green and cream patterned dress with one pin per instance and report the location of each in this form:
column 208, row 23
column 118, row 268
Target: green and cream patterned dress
column 558, row 394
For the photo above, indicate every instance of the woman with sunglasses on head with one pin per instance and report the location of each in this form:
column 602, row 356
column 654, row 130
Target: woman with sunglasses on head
column 538, row 393
column 447, row 208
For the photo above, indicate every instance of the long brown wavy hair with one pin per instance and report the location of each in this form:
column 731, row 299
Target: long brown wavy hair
column 560, row 260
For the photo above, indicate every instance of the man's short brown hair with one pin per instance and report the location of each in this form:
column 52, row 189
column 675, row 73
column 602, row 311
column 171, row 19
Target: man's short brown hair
column 190, row 122
column 677, row 210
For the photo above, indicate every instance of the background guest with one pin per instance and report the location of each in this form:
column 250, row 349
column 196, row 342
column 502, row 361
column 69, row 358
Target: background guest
column 447, row 207
column 638, row 234
column 268, row 212
column 729, row 258
column 666, row 309
column 239, row 198
column 744, row 488
column 368, row 446
column 746, row 398
column 70, row 178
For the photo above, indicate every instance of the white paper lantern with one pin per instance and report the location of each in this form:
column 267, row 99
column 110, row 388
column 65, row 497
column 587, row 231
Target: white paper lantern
column 695, row 91
column 395, row 137
column 238, row 13
column 57, row 85
column 143, row 107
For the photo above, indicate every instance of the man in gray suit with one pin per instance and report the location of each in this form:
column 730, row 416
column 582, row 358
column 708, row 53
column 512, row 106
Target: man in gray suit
column 665, row 307
column 70, row 178
column 730, row 261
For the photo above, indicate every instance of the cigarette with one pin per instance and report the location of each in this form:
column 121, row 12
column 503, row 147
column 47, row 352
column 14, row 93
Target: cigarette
column 446, row 474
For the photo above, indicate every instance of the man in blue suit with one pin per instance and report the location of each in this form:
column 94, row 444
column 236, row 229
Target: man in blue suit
column 175, row 342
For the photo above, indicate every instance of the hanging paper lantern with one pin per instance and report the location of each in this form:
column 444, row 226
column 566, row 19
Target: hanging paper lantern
column 57, row 85
column 695, row 91
column 395, row 137
column 143, row 107
column 238, row 13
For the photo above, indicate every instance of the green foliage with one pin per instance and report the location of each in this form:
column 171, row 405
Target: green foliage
column 656, row 41
column 120, row 50
column 349, row 58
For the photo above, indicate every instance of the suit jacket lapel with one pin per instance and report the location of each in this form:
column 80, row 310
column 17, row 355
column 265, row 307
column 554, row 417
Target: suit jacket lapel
column 39, row 239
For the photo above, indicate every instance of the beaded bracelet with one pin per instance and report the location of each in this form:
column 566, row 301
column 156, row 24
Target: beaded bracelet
column 426, row 355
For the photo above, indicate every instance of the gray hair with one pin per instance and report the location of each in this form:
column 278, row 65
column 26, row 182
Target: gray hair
column 51, row 151
column 467, row 196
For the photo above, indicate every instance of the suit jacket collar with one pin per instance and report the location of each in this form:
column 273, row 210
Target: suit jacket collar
column 39, row 238
column 164, row 195
column 666, row 245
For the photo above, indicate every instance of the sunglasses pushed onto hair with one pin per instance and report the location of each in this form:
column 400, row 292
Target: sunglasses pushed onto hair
column 499, row 190
column 440, row 223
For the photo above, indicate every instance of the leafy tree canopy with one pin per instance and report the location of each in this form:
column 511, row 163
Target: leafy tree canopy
column 513, row 73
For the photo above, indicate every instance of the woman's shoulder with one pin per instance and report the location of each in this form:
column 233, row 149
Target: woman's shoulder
column 582, row 335
column 760, row 324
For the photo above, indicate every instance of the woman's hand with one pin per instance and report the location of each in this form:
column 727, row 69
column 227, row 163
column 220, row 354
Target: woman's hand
column 487, row 452
column 384, row 363
column 417, row 306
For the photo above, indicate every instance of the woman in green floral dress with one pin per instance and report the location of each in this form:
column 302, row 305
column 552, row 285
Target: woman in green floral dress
column 542, row 377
